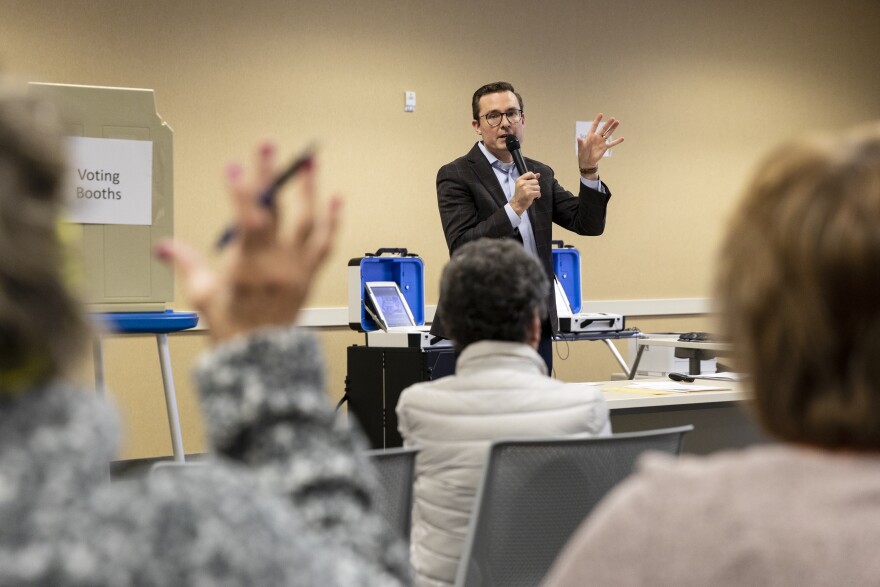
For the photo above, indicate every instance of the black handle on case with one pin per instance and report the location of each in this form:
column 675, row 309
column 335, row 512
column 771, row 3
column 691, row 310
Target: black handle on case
column 391, row 251
column 560, row 245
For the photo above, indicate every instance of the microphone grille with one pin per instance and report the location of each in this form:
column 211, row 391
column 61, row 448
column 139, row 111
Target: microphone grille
column 512, row 143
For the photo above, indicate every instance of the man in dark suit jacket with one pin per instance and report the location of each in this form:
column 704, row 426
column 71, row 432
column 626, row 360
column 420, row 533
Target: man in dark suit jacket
column 483, row 195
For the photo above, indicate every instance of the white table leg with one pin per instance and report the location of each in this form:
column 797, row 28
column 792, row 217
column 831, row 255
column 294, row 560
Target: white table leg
column 616, row 354
column 98, row 360
column 170, row 398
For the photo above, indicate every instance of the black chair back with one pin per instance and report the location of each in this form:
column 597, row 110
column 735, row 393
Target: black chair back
column 535, row 493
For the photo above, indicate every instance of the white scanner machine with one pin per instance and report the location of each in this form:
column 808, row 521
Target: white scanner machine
column 567, row 284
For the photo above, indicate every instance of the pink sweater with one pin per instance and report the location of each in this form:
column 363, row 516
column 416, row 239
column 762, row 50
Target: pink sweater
column 769, row 515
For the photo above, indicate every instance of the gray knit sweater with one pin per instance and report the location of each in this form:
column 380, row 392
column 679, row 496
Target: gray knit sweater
column 287, row 501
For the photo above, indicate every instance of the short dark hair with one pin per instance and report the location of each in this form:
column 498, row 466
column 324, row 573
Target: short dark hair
column 493, row 88
column 797, row 288
column 491, row 289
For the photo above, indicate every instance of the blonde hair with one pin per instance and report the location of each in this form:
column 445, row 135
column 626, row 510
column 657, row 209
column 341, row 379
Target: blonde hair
column 42, row 329
column 799, row 290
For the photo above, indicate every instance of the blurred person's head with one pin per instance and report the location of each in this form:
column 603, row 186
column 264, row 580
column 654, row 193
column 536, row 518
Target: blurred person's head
column 799, row 291
column 492, row 289
column 41, row 327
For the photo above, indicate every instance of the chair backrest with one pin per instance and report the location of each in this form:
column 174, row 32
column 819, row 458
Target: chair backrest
column 396, row 473
column 535, row 493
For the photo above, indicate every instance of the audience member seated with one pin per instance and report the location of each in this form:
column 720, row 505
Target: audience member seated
column 493, row 300
column 288, row 500
column 797, row 290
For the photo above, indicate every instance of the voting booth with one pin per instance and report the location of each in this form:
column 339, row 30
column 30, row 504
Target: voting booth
column 121, row 193
column 386, row 301
column 120, row 203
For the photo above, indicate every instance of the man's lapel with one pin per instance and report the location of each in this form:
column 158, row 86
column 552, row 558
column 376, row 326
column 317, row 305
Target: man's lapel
column 484, row 173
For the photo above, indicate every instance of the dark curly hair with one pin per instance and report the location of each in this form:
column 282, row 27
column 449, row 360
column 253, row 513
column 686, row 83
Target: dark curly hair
column 491, row 289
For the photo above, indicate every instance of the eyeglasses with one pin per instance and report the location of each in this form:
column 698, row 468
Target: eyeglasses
column 494, row 118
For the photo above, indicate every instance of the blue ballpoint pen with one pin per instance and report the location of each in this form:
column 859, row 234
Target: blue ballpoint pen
column 267, row 197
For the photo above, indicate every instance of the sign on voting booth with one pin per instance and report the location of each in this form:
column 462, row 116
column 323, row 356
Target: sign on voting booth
column 110, row 181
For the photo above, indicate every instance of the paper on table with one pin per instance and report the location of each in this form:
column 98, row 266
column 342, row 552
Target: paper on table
column 722, row 376
column 633, row 390
column 672, row 386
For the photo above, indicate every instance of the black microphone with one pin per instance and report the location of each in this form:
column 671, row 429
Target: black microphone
column 513, row 147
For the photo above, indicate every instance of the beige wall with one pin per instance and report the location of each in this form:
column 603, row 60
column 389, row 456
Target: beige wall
column 703, row 89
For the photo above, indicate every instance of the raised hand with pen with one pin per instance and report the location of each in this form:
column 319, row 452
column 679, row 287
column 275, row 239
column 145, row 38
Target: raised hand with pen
column 267, row 266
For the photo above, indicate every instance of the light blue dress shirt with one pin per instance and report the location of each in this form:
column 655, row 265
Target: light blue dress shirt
column 507, row 175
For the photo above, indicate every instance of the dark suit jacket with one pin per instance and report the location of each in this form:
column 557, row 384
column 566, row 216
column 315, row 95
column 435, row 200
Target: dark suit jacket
column 472, row 203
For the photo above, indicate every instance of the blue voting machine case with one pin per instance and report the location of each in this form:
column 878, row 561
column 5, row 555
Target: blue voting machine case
column 567, row 266
column 387, row 264
column 390, row 361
